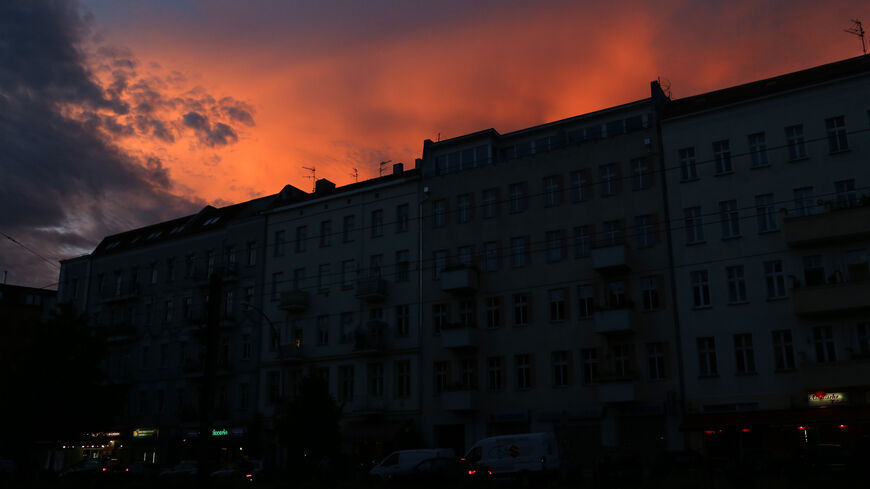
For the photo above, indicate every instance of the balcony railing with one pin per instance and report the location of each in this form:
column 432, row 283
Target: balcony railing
column 294, row 300
column 616, row 388
column 609, row 321
column 460, row 398
column 460, row 280
column 831, row 299
column 460, row 336
column 371, row 289
column 836, row 225
column 611, row 258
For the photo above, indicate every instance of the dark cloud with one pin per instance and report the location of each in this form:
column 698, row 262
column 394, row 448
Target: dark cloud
column 65, row 183
column 218, row 134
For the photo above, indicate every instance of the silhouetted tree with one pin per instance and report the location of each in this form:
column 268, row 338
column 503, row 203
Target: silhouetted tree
column 308, row 425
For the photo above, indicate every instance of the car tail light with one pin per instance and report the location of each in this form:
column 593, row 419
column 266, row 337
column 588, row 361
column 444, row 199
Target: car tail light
column 248, row 476
column 472, row 472
column 105, row 469
column 127, row 469
column 489, row 472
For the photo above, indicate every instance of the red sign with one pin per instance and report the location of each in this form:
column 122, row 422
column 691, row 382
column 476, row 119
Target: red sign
column 820, row 394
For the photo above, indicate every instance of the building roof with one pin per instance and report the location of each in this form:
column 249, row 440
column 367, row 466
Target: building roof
column 768, row 86
column 283, row 199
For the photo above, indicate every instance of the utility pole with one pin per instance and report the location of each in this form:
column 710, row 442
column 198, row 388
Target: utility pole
column 206, row 400
column 858, row 30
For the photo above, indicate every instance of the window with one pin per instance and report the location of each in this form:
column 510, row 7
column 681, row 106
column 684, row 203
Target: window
column 611, row 233
column 814, row 270
column 804, row 203
column 209, row 260
column 464, row 255
column 376, row 379
column 775, row 279
column 273, row 380
column 555, row 246
column 170, row 267
column 561, row 369
column 590, row 364
column 524, row 371
column 794, row 137
column 346, row 327
column 278, row 245
column 521, row 309
column 348, row 231
column 656, row 360
column 765, row 213
column 616, row 294
column 439, row 263
column 402, row 218
column 645, row 231
column 439, row 317
column 687, row 164
column 736, row 284
column 469, row 373
column 376, row 265
column 493, row 312
column 244, row 396
column 585, row 301
column 517, row 193
column 707, row 365
column 403, row 378
column 495, row 374
column 846, row 196
column 700, row 288
column 650, row 293
column 730, row 218
column 403, row 320
column 466, row 314
column 298, row 278
column 301, row 238
column 153, row 277
column 836, row 128
column 783, row 351
column 579, row 186
column 322, row 330
column 558, row 304
column 552, row 191
column 323, row 277
column 325, row 233
column 463, row 208
column 582, row 241
column 744, row 356
column 757, row 150
column 377, row 223
column 518, row 251
column 694, row 225
column 441, row 370
column 862, row 331
column 345, row 374
column 402, row 265
column 722, row 156
column 439, row 213
column 608, row 179
column 489, row 202
column 621, row 355
column 823, row 337
column 246, row 347
column 490, row 256
column 348, row 273
column 640, row 174
column 857, row 269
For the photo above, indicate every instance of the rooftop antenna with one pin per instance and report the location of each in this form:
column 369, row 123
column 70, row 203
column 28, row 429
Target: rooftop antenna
column 858, row 30
column 666, row 86
column 439, row 137
column 313, row 175
column 381, row 166
column 355, row 175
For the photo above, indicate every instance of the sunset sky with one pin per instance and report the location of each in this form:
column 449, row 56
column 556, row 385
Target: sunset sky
column 117, row 114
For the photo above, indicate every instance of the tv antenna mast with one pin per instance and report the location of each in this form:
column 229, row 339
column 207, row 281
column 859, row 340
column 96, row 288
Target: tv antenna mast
column 381, row 166
column 355, row 175
column 858, row 30
column 665, row 85
column 313, row 176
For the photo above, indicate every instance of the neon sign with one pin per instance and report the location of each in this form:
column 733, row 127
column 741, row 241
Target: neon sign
column 145, row 433
column 220, row 432
column 822, row 398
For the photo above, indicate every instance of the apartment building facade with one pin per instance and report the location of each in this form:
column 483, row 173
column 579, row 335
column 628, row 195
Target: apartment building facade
column 342, row 290
column 147, row 290
column 546, row 296
column 768, row 187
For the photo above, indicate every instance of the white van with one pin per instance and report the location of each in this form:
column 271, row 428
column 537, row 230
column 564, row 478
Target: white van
column 514, row 455
column 400, row 463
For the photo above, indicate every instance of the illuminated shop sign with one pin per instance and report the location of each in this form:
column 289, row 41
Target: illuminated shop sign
column 220, row 432
column 145, row 433
column 822, row 398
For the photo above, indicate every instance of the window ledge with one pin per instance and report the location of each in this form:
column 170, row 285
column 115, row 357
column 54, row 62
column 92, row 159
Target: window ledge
column 739, row 303
column 724, row 173
column 777, row 299
column 711, row 376
column 769, row 231
column 785, row 370
column 687, row 180
column 702, row 308
column 696, row 243
column 759, row 167
column 746, row 374
column 796, row 160
column 731, row 238
column 840, row 151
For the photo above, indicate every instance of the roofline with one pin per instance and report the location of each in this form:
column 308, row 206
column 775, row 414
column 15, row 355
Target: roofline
column 344, row 191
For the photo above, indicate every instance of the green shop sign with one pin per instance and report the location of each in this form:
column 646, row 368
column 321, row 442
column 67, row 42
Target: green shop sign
column 145, row 433
column 220, row 432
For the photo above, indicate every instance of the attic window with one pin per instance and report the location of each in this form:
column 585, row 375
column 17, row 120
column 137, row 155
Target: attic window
column 113, row 245
column 176, row 229
column 135, row 240
column 155, row 234
column 211, row 221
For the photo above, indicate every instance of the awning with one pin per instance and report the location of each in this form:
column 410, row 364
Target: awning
column 777, row 418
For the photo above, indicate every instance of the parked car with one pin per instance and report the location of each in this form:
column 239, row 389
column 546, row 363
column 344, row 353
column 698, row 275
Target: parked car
column 400, row 463
column 142, row 470
column 435, row 470
column 249, row 470
column 85, row 468
column 185, row 468
column 514, row 456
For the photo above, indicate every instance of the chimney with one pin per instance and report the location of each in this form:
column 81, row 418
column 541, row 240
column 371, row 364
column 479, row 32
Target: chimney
column 418, row 162
column 323, row 186
column 398, row 168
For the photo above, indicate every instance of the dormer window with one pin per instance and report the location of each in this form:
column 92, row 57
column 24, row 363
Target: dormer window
column 176, row 229
column 113, row 245
column 155, row 234
column 211, row 221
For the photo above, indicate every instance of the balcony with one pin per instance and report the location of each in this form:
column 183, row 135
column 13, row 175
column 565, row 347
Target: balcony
column 616, row 388
column 123, row 294
column 372, row 289
column 294, row 300
column 459, row 336
column 459, row 399
column 460, row 280
column 834, row 226
column 831, row 299
column 371, row 338
column 611, row 259
column 610, row 321
column 291, row 353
